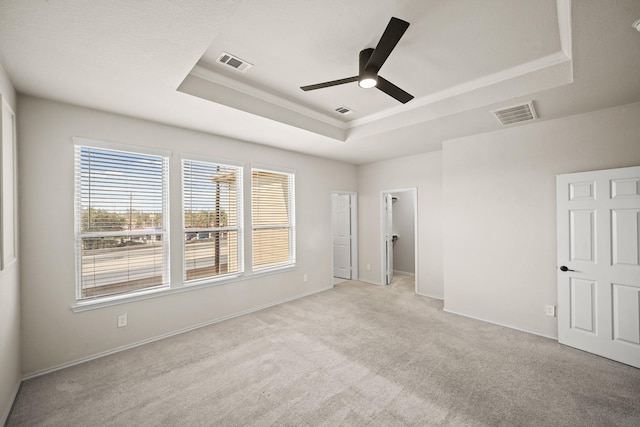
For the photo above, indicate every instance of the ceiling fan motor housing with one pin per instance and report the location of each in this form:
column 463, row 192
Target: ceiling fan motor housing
column 368, row 77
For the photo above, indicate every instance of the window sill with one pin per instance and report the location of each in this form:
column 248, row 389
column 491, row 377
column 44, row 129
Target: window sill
column 87, row 305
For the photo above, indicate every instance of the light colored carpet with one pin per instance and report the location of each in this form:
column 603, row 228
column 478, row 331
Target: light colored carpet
column 355, row 355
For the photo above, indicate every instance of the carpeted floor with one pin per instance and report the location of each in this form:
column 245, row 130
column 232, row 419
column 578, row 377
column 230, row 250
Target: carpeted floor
column 355, row 355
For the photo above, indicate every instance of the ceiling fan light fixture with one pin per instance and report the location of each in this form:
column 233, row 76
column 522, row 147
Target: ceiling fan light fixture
column 371, row 60
column 367, row 80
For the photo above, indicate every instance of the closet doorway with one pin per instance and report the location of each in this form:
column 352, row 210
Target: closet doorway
column 399, row 234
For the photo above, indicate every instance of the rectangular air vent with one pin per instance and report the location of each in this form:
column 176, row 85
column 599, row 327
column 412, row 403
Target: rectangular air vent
column 343, row 110
column 234, row 62
column 515, row 114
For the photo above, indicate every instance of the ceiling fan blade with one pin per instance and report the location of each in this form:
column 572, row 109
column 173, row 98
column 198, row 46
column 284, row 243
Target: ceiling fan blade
column 393, row 91
column 390, row 38
column 329, row 84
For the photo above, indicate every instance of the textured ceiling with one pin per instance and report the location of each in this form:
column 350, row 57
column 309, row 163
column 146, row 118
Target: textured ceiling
column 156, row 60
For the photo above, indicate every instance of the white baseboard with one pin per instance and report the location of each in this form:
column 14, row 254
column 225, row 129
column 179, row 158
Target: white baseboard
column 430, row 296
column 501, row 324
column 167, row 335
column 7, row 410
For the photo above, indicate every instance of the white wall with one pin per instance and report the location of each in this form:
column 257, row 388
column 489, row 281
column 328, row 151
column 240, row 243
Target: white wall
column 500, row 214
column 424, row 172
column 52, row 334
column 9, row 304
column 404, row 259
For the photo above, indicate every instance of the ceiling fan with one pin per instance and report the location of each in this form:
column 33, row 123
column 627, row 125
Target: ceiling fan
column 371, row 60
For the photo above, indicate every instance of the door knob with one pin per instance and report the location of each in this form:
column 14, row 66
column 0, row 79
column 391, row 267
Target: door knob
column 565, row 268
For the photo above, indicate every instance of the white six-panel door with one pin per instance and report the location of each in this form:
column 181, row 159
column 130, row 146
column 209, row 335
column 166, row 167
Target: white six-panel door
column 599, row 262
column 341, row 235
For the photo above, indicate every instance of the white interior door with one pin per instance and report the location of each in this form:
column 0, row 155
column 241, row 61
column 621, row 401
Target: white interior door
column 341, row 235
column 388, row 206
column 599, row 262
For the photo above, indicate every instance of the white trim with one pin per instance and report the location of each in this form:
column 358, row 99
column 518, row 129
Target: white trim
column 108, row 145
column 214, row 160
column 564, row 27
column 108, row 301
column 463, row 88
column 548, row 61
column 383, row 240
column 86, row 305
column 166, row 335
column 272, row 270
column 211, row 280
column 500, row 324
column 355, row 273
column 416, row 250
column 246, row 89
column 10, row 402
column 430, row 296
column 13, row 175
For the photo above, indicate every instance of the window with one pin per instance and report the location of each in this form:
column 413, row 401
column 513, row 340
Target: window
column 212, row 218
column 273, row 218
column 121, row 221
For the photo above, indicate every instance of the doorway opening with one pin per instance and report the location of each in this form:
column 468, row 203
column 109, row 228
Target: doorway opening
column 344, row 236
column 399, row 236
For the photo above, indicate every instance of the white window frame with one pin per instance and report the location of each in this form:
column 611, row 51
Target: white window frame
column 239, row 228
column 80, row 143
column 291, row 225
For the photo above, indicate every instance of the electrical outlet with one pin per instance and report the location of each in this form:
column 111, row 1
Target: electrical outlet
column 550, row 310
column 304, row 278
column 368, row 267
column 122, row 320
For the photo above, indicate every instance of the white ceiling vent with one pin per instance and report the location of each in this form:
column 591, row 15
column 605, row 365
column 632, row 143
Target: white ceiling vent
column 234, row 62
column 516, row 114
column 343, row 110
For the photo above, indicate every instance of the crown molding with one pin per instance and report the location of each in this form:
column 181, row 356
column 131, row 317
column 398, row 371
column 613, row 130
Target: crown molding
column 252, row 91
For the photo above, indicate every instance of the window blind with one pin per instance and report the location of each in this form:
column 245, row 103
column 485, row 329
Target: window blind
column 121, row 221
column 212, row 218
column 273, row 219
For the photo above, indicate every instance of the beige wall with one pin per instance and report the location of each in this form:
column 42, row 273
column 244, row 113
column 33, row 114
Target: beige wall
column 52, row 334
column 9, row 304
column 500, row 215
column 424, row 172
